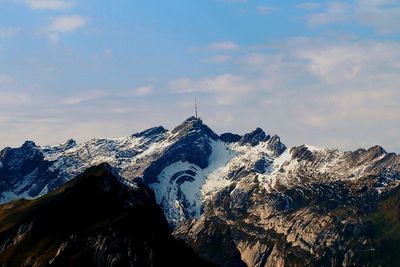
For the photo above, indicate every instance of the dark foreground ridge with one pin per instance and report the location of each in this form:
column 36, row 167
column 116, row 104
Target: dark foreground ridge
column 93, row 220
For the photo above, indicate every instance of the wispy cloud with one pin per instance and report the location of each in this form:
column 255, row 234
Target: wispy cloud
column 223, row 46
column 6, row 32
column 13, row 99
column 48, row 4
column 308, row 5
column 103, row 95
column 265, row 10
column 382, row 15
column 64, row 24
column 328, row 90
column 217, row 59
column 335, row 12
column 142, row 90
column 4, row 78
column 226, row 89
column 87, row 96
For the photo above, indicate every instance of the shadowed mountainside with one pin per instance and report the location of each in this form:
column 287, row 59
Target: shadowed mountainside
column 93, row 220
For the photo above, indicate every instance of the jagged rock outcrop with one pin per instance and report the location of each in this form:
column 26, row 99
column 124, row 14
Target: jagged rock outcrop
column 254, row 138
column 276, row 145
column 27, row 161
column 230, row 137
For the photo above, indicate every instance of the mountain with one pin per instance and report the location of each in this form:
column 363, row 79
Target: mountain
column 93, row 220
column 249, row 195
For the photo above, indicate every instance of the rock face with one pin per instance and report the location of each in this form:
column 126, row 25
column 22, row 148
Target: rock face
column 230, row 137
column 190, row 142
column 254, row 138
column 94, row 220
column 250, row 195
column 28, row 162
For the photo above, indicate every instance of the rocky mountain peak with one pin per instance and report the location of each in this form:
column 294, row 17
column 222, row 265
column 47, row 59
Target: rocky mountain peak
column 69, row 143
column 254, row 138
column 276, row 145
column 230, row 137
column 302, row 153
column 151, row 132
column 376, row 151
column 194, row 126
column 29, row 145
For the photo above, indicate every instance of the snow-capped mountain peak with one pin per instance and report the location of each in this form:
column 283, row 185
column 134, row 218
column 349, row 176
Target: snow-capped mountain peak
column 188, row 165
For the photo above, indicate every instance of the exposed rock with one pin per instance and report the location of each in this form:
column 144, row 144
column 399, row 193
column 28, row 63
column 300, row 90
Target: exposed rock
column 276, row 145
column 230, row 138
column 151, row 132
column 254, row 138
column 302, row 153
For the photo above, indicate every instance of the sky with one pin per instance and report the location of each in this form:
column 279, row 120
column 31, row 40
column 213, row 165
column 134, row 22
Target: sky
column 324, row 73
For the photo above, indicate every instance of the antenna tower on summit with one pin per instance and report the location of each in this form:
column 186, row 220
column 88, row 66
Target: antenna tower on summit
column 195, row 107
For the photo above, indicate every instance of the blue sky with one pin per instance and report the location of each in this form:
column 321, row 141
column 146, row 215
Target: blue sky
column 325, row 73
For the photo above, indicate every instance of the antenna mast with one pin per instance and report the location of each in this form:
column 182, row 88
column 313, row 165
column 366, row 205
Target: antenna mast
column 195, row 106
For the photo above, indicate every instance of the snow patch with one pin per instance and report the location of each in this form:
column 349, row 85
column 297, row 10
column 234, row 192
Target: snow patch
column 182, row 186
column 171, row 191
column 8, row 196
column 218, row 168
column 44, row 191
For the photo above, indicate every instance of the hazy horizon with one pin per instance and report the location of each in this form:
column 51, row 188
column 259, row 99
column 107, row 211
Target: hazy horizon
column 323, row 73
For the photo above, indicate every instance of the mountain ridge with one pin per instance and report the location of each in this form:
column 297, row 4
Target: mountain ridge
column 268, row 200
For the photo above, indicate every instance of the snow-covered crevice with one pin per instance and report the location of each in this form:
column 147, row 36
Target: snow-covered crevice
column 178, row 191
column 182, row 186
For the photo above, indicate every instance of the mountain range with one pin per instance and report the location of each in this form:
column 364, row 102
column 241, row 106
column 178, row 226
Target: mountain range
column 235, row 200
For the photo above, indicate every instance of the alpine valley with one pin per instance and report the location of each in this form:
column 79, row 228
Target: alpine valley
column 191, row 197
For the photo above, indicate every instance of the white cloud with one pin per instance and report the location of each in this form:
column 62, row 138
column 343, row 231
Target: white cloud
column 7, row 32
column 333, row 91
column 327, row 92
column 223, row 46
column 143, row 90
column 382, row 15
column 335, row 12
column 87, row 96
column 64, row 24
column 48, row 4
column 354, row 61
column 226, row 89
